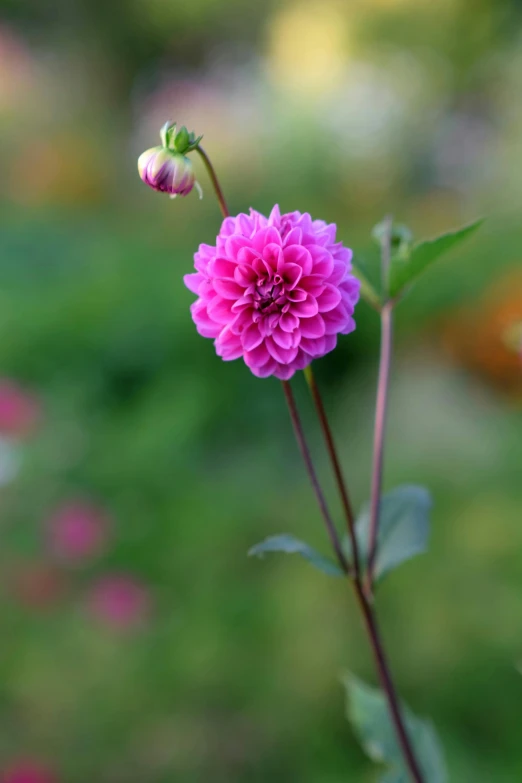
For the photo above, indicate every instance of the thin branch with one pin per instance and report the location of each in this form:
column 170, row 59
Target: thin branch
column 386, row 680
column 367, row 610
column 381, row 405
column 215, row 182
column 305, row 451
column 336, row 466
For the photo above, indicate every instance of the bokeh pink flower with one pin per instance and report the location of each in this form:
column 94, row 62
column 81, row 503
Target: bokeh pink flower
column 19, row 410
column 274, row 291
column 120, row 601
column 78, row 531
column 27, row 771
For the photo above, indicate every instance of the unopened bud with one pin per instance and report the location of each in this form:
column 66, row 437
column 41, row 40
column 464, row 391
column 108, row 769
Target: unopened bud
column 167, row 171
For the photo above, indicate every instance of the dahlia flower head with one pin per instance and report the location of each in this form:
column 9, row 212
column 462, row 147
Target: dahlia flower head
column 274, row 291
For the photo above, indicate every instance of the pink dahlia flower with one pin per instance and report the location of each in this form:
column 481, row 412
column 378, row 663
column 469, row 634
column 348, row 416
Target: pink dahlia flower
column 275, row 291
column 27, row 772
column 78, row 531
column 19, row 410
column 120, row 602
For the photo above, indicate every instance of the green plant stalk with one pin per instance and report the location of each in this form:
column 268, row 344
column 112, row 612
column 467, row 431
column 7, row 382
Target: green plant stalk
column 336, row 467
column 365, row 605
column 214, row 180
column 381, row 407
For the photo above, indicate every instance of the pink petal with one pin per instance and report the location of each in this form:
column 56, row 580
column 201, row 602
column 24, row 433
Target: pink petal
column 265, row 370
column 261, row 268
column 235, row 243
column 242, row 320
column 313, row 284
column 305, row 309
column 246, row 256
column 351, row 288
column 267, row 236
column 327, row 237
column 220, row 310
column 221, row 267
column 335, row 320
column 193, row 281
column 204, row 324
column 291, row 274
column 297, row 254
column 312, row 327
column 344, row 254
column 302, row 360
column 243, row 301
column 228, row 345
column 257, row 357
column 244, row 274
column 339, row 272
column 284, row 372
column 349, row 326
column 251, row 337
column 283, row 339
column 272, row 254
column 294, row 237
column 330, row 341
column 282, row 355
column 274, row 219
column 297, row 295
column 228, row 289
column 329, row 299
column 323, row 261
column 288, row 322
column 228, row 226
column 315, row 348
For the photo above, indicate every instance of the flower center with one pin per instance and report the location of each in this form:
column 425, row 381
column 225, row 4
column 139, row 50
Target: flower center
column 269, row 295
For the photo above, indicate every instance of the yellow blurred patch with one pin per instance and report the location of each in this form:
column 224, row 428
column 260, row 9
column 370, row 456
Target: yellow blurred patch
column 309, row 47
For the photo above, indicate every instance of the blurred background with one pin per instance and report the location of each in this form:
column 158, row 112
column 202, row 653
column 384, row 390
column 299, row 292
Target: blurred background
column 138, row 642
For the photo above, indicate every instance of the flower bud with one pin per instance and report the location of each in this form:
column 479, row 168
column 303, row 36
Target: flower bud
column 401, row 238
column 167, row 171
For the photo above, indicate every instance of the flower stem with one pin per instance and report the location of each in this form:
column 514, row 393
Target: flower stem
column 305, row 451
column 365, row 606
column 381, row 405
column 378, row 441
column 387, row 684
column 336, row 466
column 215, row 182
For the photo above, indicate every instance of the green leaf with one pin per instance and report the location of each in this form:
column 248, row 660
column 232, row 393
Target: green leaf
column 291, row 545
column 404, row 272
column 403, row 528
column 368, row 291
column 367, row 710
column 395, row 777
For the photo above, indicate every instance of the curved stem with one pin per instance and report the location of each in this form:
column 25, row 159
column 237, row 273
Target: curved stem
column 365, row 606
column 215, row 182
column 378, row 441
column 305, row 451
column 386, row 680
column 336, row 466
column 382, row 402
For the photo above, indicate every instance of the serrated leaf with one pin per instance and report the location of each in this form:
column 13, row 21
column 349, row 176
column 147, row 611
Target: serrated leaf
column 290, row 545
column 403, row 527
column 404, row 272
column 368, row 712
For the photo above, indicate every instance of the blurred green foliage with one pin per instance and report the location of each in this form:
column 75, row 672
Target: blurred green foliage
column 236, row 676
